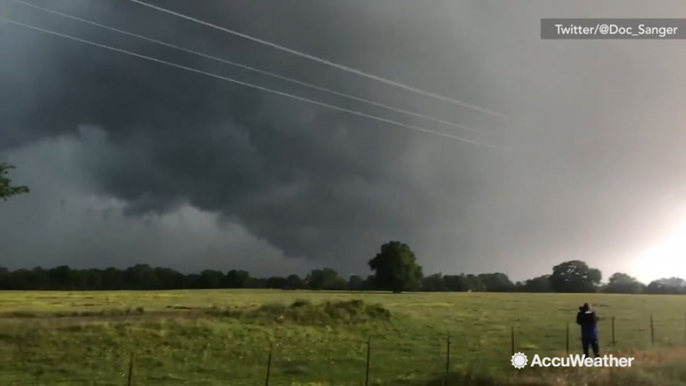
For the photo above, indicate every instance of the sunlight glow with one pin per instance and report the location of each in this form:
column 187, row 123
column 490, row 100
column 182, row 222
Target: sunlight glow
column 664, row 258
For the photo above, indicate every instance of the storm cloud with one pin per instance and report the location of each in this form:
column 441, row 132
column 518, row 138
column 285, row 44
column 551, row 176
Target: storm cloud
column 133, row 161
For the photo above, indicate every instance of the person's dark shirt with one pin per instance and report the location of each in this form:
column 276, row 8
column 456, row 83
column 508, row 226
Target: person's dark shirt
column 588, row 321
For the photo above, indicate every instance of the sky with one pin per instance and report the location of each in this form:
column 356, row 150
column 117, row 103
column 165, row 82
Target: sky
column 131, row 161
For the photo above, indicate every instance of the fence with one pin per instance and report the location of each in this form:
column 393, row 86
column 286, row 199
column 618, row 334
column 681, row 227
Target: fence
column 376, row 360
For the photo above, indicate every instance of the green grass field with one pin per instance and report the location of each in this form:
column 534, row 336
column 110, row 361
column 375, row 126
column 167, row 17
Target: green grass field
column 223, row 337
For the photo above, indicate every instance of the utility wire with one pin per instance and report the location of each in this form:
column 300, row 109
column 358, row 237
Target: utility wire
column 327, row 62
column 249, row 68
column 361, row 114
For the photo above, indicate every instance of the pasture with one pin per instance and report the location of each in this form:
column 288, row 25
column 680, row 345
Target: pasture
column 223, row 337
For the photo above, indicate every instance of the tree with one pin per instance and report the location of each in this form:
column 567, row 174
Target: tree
column 538, row 284
column 237, row 279
column 322, row 279
column 496, row 282
column 277, row 282
column 575, row 276
column 396, row 268
column 621, row 283
column 672, row 285
column 210, row 278
column 8, row 190
column 434, row 283
column 356, row 283
column 294, row 282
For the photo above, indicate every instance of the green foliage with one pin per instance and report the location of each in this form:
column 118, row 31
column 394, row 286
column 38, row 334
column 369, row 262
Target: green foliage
column 621, row 283
column 356, row 283
column 8, row 190
column 575, row 276
column 324, row 279
column 539, row 284
column 396, row 268
column 497, row 282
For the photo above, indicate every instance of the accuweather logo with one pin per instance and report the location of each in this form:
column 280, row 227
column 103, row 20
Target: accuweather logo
column 520, row 360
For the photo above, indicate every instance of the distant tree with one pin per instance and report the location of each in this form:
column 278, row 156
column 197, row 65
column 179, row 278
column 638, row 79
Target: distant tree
column 496, row 282
column 463, row 283
column 210, row 279
column 143, row 277
column 339, row 284
column 621, row 283
column 396, row 268
column 356, row 283
column 369, row 283
column 294, row 282
column 673, row 285
column 8, row 190
column 538, row 284
column 321, row 279
column 575, row 276
column 237, row 279
column 434, row 283
column 277, row 282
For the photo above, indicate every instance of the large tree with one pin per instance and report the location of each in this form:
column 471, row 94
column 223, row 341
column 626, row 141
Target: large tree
column 8, row 190
column 621, row 283
column 396, row 268
column 497, row 282
column 538, row 284
column 322, row 279
column 575, row 276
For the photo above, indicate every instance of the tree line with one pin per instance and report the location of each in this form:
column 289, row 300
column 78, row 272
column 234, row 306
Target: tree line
column 395, row 269
column 570, row 276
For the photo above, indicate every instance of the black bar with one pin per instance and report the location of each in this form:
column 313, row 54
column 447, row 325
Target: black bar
column 567, row 344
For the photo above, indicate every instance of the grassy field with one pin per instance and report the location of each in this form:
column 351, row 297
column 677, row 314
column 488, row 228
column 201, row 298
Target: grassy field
column 223, row 337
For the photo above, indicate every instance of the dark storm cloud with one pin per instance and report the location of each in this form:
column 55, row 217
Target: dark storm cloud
column 312, row 182
column 581, row 178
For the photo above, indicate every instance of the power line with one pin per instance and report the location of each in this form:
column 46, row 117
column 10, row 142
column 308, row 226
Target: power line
column 361, row 114
column 327, row 62
column 249, row 68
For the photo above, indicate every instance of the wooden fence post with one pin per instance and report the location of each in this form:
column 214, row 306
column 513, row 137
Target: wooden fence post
column 652, row 330
column 613, row 332
column 512, row 339
column 130, row 382
column 369, row 357
column 269, row 364
column 447, row 362
column 567, row 342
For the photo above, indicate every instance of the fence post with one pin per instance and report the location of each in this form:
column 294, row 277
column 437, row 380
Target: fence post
column 613, row 332
column 512, row 339
column 447, row 362
column 130, row 382
column 269, row 363
column 652, row 330
column 567, row 343
column 369, row 356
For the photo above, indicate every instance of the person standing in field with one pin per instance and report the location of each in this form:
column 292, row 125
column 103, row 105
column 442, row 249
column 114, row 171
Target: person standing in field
column 588, row 320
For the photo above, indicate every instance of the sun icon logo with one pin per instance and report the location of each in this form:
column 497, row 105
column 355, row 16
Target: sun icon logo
column 519, row 360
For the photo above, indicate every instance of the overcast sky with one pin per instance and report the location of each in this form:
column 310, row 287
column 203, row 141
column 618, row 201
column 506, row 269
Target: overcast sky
column 131, row 161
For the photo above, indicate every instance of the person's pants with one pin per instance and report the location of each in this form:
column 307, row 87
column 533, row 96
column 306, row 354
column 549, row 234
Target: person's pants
column 588, row 343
